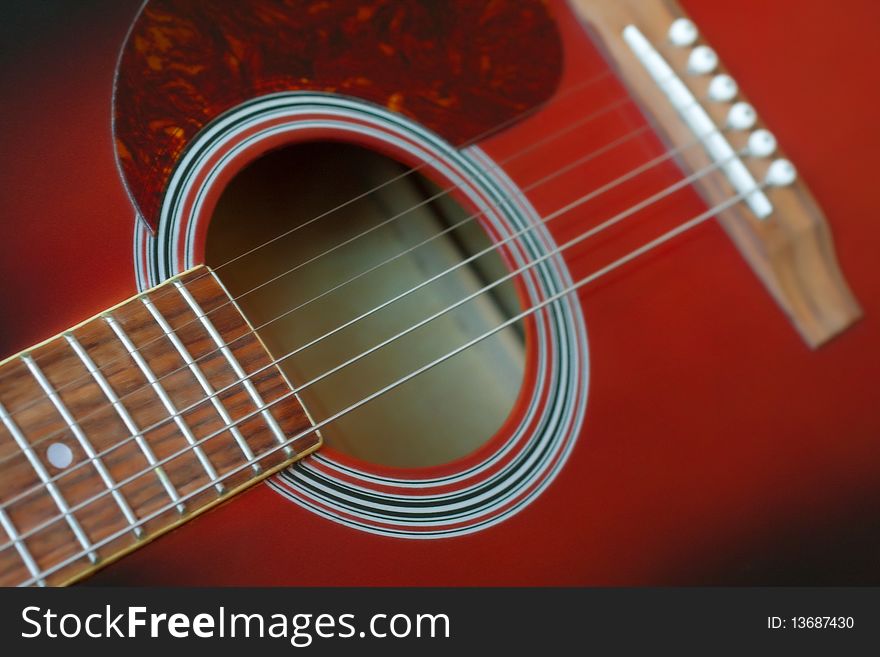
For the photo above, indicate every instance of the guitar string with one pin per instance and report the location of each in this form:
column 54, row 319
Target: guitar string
column 564, row 169
column 165, row 420
column 683, row 183
column 578, row 86
column 632, row 255
column 495, row 246
column 161, row 291
column 616, row 105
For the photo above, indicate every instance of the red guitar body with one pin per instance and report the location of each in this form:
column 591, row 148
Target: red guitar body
column 701, row 441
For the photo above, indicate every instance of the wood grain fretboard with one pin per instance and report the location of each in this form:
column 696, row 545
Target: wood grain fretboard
column 112, row 433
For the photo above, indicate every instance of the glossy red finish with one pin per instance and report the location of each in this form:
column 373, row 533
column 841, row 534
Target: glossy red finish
column 717, row 447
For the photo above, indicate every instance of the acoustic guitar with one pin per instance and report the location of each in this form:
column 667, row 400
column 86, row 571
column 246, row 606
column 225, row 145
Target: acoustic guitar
column 439, row 293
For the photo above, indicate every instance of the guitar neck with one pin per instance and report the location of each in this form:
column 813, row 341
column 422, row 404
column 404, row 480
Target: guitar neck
column 133, row 422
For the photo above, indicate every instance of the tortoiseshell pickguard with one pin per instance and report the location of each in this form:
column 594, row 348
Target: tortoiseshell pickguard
column 459, row 67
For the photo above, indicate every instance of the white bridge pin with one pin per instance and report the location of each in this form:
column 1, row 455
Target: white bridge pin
column 703, row 60
column 781, row 173
column 742, row 116
column 722, row 88
column 762, row 143
column 683, row 33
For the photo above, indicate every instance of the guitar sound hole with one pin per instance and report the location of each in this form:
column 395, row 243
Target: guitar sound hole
column 437, row 417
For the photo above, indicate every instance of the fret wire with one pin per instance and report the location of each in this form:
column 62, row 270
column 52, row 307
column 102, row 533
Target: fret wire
column 629, row 257
column 166, row 402
column 632, row 255
column 126, row 418
column 202, row 379
column 615, row 219
column 85, row 443
column 654, row 198
column 666, row 156
column 50, row 486
column 582, row 84
column 22, row 549
column 236, row 366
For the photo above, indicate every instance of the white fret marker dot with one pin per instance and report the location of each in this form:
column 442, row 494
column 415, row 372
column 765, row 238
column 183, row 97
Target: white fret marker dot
column 59, row 455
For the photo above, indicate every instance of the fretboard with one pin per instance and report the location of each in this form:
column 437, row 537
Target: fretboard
column 132, row 422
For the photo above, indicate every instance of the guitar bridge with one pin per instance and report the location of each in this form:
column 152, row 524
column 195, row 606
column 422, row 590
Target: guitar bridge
column 779, row 228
